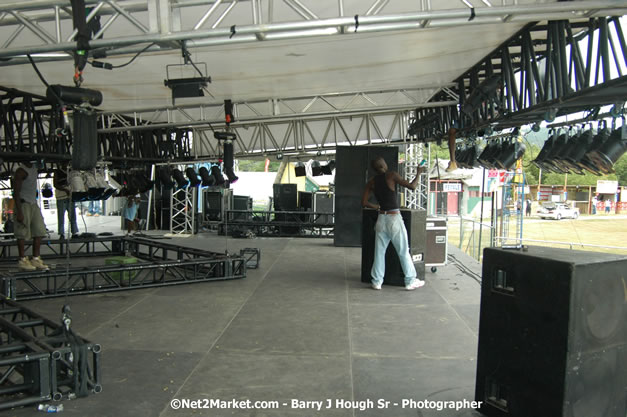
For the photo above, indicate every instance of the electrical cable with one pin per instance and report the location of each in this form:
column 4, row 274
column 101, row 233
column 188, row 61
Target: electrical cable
column 98, row 64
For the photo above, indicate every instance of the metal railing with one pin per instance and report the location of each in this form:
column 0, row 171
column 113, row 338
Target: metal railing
column 571, row 245
column 473, row 236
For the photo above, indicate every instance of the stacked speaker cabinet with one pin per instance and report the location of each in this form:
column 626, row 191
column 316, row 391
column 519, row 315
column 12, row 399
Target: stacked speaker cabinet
column 552, row 334
column 285, row 196
column 352, row 172
column 415, row 224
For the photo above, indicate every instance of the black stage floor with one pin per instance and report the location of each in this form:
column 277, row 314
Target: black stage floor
column 301, row 327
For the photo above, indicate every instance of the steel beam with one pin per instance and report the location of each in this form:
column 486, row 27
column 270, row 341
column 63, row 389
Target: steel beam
column 251, row 32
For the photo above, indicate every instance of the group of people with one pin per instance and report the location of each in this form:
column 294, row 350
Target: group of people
column 607, row 205
column 29, row 222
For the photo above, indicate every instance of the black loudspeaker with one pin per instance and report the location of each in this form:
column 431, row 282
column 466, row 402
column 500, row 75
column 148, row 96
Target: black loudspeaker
column 415, row 224
column 352, row 172
column 284, row 197
column 213, row 205
column 323, row 203
column 84, row 141
column 305, row 200
column 242, row 202
column 552, row 334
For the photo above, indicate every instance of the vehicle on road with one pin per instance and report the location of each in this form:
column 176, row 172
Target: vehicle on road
column 558, row 211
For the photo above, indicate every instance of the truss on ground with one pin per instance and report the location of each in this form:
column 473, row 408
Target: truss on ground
column 159, row 264
column 278, row 223
column 41, row 360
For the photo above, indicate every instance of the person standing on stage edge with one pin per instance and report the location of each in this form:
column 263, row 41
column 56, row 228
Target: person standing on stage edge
column 29, row 223
column 390, row 226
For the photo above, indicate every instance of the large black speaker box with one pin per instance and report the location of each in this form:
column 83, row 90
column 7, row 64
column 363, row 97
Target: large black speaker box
column 352, row 172
column 285, row 196
column 415, row 223
column 552, row 334
column 84, row 141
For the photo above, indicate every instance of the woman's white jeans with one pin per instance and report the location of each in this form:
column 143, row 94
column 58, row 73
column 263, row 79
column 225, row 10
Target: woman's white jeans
column 390, row 228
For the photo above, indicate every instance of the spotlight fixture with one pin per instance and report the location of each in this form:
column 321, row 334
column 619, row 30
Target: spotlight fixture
column 328, row 168
column 186, row 87
column 486, row 90
column 316, row 169
column 217, row 174
column 165, row 178
column 194, row 181
column 299, row 169
column 207, row 178
column 279, row 156
column 228, row 161
column 178, row 176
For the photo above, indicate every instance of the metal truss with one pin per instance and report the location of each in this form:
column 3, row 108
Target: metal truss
column 224, row 22
column 159, row 264
column 542, row 73
column 415, row 199
column 183, row 211
column 278, row 223
column 29, row 121
column 289, row 126
column 42, row 360
column 56, row 248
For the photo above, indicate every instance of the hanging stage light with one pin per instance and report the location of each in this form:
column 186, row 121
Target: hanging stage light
column 165, row 178
column 485, row 91
column 228, row 161
column 578, row 150
column 178, row 176
column 207, row 179
column 299, row 169
column 316, row 169
column 610, row 151
column 194, row 181
column 511, row 153
column 217, row 174
column 328, row 168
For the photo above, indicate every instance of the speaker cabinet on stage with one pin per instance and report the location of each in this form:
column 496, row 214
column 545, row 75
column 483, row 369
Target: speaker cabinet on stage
column 352, row 172
column 284, row 197
column 415, row 223
column 552, row 334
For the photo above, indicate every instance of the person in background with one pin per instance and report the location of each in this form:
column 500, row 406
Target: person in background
column 29, row 223
column 595, row 201
column 93, row 209
column 64, row 203
column 528, row 207
column 608, row 206
column 131, row 213
column 390, row 226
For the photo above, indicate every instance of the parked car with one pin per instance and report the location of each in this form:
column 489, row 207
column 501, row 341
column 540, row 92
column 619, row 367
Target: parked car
column 558, row 211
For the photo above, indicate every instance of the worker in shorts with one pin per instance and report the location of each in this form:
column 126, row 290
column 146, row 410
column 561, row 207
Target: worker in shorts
column 29, row 223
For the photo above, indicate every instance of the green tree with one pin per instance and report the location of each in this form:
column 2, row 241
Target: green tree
column 621, row 170
column 252, row 165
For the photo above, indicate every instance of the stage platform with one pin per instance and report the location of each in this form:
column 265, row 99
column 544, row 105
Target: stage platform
column 300, row 327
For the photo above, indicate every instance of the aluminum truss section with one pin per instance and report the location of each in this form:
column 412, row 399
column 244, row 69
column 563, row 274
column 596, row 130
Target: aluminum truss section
column 230, row 21
column 183, row 211
column 42, row 360
column 159, row 264
column 416, row 199
column 57, row 249
column 28, row 120
column 546, row 70
column 291, row 125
